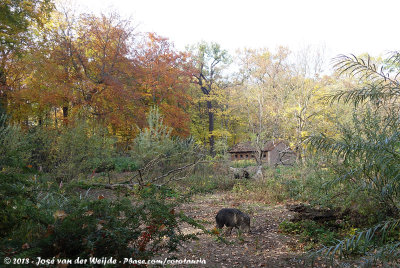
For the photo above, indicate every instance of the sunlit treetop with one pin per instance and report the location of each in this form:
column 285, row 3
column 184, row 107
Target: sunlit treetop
column 17, row 15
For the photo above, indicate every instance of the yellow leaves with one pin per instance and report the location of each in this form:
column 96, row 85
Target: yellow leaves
column 88, row 213
column 60, row 215
column 304, row 134
column 221, row 133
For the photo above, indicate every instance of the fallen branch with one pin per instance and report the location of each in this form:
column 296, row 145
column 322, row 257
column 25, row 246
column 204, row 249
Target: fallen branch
column 115, row 185
column 176, row 170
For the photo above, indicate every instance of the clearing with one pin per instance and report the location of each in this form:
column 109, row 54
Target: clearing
column 263, row 247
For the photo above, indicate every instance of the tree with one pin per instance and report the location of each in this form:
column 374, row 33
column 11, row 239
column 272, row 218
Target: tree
column 366, row 153
column 304, row 102
column 16, row 18
column 209, row 61
column 163, row 77
column 264, row 77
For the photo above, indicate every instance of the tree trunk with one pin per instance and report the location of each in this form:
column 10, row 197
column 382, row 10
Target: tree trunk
column 211, row 127
column 65, row 115
column 3, row 94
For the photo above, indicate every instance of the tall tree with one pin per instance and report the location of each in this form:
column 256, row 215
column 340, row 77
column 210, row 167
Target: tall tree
column 209, row 61
column 16, row 18
column 163, row 77
column 265, row 76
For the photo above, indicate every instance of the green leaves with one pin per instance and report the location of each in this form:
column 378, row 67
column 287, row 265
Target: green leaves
column 377, row 81
column 16, row 16
column 14, row 149
column 367, row 154
column 372, row 240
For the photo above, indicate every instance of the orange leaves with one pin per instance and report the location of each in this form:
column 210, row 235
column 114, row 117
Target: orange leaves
column 163, row 80
column 215, row 230
column 96, row 67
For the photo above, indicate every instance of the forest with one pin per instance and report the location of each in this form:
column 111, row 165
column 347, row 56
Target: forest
column 116, row 145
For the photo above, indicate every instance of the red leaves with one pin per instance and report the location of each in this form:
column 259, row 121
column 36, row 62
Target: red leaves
column 97, row 68
column 163, row 80
column 145, row 237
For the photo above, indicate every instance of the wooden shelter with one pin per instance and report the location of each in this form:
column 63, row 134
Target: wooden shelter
column 273, row 152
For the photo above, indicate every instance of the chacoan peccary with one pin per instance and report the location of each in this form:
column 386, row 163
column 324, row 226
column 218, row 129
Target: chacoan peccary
column 232, row 217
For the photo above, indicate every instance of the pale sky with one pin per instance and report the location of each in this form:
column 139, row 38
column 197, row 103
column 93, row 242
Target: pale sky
column 341, row 26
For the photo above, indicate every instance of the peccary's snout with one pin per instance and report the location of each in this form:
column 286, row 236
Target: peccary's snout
column 233, row 218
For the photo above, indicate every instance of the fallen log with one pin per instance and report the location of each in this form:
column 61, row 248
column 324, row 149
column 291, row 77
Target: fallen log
column 304, row 212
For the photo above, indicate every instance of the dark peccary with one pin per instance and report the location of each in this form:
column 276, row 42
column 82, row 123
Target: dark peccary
column 232, row 217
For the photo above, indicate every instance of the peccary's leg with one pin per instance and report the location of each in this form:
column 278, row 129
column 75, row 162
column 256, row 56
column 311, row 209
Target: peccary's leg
column 230, row 230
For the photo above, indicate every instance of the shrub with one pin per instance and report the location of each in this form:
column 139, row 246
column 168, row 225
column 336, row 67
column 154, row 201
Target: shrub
column 161, row 158
column 310, row 233
column 14, row 149
column 367, row 151
column 69, row 227
column 124, row 164
column 81, row 149
column 16, row 202
column 42, row 142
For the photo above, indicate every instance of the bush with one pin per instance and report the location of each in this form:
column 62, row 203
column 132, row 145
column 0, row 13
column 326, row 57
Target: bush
column 367, row 151
column 310, row 233
column 69, row 227
column 14, row 148
column 124, row 164
column 80, row 150
column 16, row 201
column 42, row 144
column 161, row 158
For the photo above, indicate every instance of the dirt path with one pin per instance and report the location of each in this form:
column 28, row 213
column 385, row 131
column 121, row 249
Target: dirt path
column 264, row 247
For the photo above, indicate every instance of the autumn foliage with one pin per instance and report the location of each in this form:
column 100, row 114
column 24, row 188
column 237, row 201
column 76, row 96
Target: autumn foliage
column 98, row 68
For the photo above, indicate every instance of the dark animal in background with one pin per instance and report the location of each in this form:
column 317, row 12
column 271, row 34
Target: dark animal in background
column 232, row 217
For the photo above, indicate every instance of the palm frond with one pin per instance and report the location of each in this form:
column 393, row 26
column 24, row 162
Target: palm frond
column 366, row 241
column 381, row 84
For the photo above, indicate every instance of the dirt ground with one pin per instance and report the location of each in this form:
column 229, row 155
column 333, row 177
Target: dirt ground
column 263, row 247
